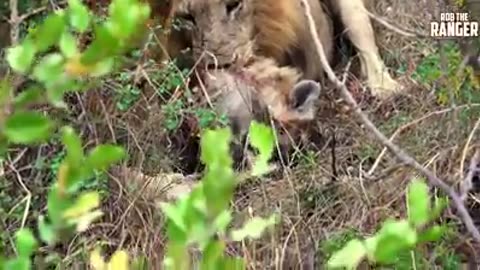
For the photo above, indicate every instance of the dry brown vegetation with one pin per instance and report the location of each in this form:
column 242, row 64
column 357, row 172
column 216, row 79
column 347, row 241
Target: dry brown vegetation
column 339, row 183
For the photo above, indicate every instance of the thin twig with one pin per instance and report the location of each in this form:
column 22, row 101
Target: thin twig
column 15, row 19
column 36, row 11
column 396, row 29
column 412, row 123
column 14, row 22
column 384, row 174
column 399, row 153
column 28, row 197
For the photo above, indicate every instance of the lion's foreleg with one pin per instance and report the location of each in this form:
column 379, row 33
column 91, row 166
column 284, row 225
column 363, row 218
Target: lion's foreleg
column 360, row 32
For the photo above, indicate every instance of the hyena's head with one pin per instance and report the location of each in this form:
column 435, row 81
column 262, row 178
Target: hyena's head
column 265, row 92
column 221, row 30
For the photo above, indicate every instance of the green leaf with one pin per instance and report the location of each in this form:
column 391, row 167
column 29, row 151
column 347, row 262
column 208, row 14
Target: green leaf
column 432, row 234
column 56, row 91
column 25, row 242
column 73, row 144
column 349, row 257
column 79, row 15
column 233, row 263
column 50, row 31
column 118, row 261
column 84, row 204
column 50, row 69
column 393, row 237
column 438, row 206
column 218, row 181
column 262, row 138
column 76, row 176
column 253, row 228
column 81, row 212
column 126, row 17
column 96, row 260
column 222, row 220
column 215, row 147
column 68, row 45
column 27, row 97
column 56, row 204
column 174, row 215
column 46, row 231
column 144, row 12
column 418, row 203
column 193, row 210
column 102, row 156
column 371, row 244
column 83, row 222
column 103, row 67
column 28, row 127
column 104, row 45
column 176, row 234
column 211, row 254
column 19, row 263
column 260, row 167
column 20, row 57
column 177, row 256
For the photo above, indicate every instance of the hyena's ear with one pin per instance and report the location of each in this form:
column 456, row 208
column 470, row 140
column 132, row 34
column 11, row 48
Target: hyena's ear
column 302, row 98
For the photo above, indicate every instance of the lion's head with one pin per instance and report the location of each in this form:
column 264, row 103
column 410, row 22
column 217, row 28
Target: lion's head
column 221, row 29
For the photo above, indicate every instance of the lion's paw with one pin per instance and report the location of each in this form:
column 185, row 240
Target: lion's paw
column 384, row 86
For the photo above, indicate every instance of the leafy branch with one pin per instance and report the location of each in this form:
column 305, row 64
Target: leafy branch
column 396, row 150
column 57, row 73
column 200, row 219
column 396, row 236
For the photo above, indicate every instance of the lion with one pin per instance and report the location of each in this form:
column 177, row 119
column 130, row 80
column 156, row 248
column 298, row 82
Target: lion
column 221, row 30
column 218, row 30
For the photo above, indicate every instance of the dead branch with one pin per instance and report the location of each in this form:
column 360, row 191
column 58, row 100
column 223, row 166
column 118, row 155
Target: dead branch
column 14, row 22
column 397, row 151
column 396, row 29
column 413, row 123
column 15, row 19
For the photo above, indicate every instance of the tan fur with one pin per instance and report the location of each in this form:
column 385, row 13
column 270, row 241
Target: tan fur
column 359, row 30
column 281, row 32
column 246, row 93
column 278, row 29
column 278, row 25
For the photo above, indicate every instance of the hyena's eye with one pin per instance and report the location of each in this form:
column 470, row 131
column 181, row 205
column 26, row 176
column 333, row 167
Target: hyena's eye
column 233, row 5
column 187, row 17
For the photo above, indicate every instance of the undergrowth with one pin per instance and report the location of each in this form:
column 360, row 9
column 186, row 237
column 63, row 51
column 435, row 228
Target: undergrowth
column 200, row 221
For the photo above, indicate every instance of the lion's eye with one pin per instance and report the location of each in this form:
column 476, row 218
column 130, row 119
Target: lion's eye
column 232, row 6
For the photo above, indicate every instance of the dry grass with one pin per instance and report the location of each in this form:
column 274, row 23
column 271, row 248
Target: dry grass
column 312, row 206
